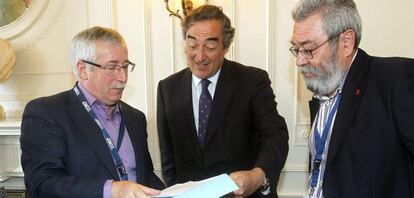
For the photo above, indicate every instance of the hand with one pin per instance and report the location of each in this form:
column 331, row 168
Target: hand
column 127, row 189
column 248, row 181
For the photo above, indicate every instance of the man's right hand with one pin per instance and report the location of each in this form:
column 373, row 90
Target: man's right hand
column 127, row 189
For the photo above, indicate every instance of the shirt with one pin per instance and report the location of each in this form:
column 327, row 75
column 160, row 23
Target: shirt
column 196, row 92
column 111, row 123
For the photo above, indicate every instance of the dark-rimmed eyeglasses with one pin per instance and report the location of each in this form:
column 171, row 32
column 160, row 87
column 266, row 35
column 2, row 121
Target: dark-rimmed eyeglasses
column 307, row 53
column 114, row 68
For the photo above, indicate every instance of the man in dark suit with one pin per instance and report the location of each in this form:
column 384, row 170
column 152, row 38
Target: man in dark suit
column 362, row 112
column 218, row 116
column 86, row 142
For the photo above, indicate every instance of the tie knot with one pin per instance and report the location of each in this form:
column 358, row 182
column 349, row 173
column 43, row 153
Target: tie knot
column 205, row 83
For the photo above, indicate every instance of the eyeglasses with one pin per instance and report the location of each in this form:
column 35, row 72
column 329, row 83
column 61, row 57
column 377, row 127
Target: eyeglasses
column 113, row 68
column 307, row 53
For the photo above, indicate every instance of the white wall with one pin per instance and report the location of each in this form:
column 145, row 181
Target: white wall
column 263, row 29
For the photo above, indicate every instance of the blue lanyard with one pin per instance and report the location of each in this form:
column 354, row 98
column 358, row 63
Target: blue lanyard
column 114, row 151
column 120, row 134
column 320, row 142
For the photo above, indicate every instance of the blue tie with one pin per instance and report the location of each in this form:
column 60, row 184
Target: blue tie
column 203, row 110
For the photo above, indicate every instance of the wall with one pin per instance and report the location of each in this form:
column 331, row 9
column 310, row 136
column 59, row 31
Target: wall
column 263, row 29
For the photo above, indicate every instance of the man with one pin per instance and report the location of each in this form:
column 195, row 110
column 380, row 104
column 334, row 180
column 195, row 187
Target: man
column 86, row 142
column 362, row 136
column 218, row 116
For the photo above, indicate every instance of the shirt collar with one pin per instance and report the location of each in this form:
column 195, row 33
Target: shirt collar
column 213, row 79
column 94, row 102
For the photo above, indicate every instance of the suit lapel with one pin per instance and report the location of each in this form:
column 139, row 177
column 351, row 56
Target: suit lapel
column 91, row 133
column 351, row 95
column 226, row 84
column 185, row 99
column 313, row 107
column 137, row 139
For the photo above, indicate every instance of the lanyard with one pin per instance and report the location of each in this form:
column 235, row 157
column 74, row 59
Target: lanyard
column 120, row 135
column 320, row 142
column 114, row 151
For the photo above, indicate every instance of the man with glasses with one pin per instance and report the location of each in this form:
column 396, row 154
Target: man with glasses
column 86, row 142
column 362, row 112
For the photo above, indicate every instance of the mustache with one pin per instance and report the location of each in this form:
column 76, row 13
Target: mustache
column 118, row 86
column 314, row 70
column 204, row 62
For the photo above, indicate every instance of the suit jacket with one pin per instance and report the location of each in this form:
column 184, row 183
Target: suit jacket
column 244, row 128
column 371, row 151
column 64, row 153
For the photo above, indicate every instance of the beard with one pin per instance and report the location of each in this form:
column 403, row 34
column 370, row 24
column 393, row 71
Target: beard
column 326, row 78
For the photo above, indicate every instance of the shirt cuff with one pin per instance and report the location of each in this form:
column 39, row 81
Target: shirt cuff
column 107, row 189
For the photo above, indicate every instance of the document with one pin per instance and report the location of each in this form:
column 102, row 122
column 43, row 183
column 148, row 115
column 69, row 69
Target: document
column 213, row 187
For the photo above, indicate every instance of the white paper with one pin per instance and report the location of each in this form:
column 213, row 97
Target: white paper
column 209, row 188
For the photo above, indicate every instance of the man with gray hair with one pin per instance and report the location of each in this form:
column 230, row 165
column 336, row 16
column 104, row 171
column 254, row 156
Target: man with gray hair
column 362, row 135
column 86, row 142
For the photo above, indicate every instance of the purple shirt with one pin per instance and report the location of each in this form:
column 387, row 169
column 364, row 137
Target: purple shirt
column 111, row 124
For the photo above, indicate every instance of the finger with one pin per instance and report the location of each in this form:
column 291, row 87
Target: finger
column 234, row 175
column 149, row 191
column 236, row 178
column 240, row 191
column 140, row 194
column 239, row 181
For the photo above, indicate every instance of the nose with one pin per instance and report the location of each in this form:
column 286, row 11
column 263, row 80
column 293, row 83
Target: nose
column 122, row 74
column 199, row 55
column 301, row 60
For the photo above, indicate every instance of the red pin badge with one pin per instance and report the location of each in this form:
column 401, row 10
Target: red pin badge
column 357, row 92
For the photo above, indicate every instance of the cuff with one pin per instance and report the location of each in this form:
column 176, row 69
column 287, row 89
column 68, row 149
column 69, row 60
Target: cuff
column 107, row 189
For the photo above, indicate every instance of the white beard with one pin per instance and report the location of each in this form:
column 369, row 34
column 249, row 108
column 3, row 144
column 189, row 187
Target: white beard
column 326, row 77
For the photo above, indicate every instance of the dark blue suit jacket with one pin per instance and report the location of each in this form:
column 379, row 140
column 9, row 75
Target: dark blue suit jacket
column 371, row 152
column 64, row 153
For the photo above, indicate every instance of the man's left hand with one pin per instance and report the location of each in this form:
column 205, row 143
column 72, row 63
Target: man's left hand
column 248, row 181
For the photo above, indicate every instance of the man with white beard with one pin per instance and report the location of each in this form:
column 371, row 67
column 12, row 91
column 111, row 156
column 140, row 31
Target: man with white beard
column 362, row 135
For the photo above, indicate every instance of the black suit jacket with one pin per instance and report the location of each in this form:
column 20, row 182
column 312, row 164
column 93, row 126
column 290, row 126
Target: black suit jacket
column 244, row 128
column 371, row 152
column 64, row 153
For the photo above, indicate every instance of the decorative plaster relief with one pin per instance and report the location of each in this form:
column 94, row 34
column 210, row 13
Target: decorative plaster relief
column 34, row 25
column 302, row 134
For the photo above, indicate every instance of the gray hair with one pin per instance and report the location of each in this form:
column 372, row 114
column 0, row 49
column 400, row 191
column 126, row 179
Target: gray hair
column 337, row 16
column 83, row 45
column 210, row 12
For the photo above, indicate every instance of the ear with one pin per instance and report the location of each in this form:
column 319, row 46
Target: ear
column 226, row 50
column 82, row 69
column 348, row 41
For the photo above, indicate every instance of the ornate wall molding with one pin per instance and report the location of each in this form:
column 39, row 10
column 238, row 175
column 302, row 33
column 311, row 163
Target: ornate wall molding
column 46, row 73
column 25, row 21
column 10, row 139
column 271, row 40
column 19, row 98
column 302, row 131
column 9, row 128
column 101, row 12
column 150, row 84
column 295, row 168
column 40, row 21
column 232, row 15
